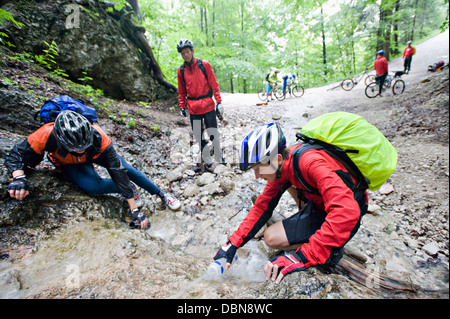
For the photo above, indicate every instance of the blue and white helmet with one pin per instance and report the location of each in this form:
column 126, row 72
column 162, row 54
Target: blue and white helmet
column 261, row 145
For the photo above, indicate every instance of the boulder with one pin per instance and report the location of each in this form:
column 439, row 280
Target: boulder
column 97, row 45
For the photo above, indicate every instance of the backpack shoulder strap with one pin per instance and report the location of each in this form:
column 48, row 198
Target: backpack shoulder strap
column 182, row 75
column 200, row 65
column 297, row 171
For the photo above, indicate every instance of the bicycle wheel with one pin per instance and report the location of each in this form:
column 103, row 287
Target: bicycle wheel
column 347, row 84
column 398, row 87
column 279, row 93
column 262, row 94
column 369, row 79
column 298, row 91
column 372, row 90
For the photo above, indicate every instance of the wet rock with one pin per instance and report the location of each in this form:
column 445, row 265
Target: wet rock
column 276, row 116
column 175, row 175
column 211, row 188
column 373, row 208
column 386, row 189
column 205, row 179
column 191, row 190
column 227, row 184
column 53, row 202
column 431, row 248
column 24, row 106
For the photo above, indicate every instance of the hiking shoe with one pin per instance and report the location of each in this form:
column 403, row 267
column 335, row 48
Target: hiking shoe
column 136, row 196
column 171, row 202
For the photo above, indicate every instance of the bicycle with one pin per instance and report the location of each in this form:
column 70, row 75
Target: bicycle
column 398, row 85
column 296, row 90
column 277, row 91
column 349, row 83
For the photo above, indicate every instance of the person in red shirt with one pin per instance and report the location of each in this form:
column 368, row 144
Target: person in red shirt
column 381, row 69
column 407, row 57
column 328, row 218
column 197, row 85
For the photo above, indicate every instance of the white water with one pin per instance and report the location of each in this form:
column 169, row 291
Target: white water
column 244, row 270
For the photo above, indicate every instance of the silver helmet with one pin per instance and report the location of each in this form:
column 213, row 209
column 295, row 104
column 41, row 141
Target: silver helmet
column 184, row 43
column 73, row 131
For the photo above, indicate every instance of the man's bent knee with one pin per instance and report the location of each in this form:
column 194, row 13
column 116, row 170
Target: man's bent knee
column 275, row 236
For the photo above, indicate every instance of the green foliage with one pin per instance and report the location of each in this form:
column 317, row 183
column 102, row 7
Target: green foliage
column 8, row 82
column 47, row 60
column 6, row 16
column 85, row 78
column 244, row 39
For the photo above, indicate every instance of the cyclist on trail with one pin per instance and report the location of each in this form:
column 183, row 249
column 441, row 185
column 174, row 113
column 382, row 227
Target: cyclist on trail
column 326, row 221
column 74, row 145
column 271, row 79
column 288, row 79
column 407, row 56
column 197, row 85
column 381, row 69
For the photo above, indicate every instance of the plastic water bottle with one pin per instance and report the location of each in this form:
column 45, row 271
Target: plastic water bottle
column 216, row 269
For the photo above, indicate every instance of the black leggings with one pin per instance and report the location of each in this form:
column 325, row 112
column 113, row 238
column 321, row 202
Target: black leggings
column 208, row 122
column 407, row 63
column 380, row 80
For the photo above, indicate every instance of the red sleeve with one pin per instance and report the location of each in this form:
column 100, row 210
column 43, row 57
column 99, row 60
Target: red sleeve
column 343, row 212
column 181, row 91
column 404, row 53
column 212, row 81
column 260, row 213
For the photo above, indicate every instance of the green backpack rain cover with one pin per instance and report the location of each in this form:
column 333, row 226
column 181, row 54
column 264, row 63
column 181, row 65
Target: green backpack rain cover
column 364, row 144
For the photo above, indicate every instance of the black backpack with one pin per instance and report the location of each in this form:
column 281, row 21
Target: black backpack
column 200, row 65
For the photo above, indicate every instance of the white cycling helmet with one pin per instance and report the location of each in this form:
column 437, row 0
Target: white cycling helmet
column 184, row 43
column 261, row 145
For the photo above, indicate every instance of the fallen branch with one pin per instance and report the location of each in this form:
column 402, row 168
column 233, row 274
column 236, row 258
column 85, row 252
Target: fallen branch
column 382, row 284
column 236, row 213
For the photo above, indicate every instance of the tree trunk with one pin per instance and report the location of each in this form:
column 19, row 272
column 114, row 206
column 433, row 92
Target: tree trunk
column 137, row 34
column 324, row 47
column 395, row 50
column 206, row 26
column 213, row 22
column 201, row 19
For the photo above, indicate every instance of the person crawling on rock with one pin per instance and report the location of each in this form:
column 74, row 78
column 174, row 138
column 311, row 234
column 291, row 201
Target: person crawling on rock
column 74, row 145
column 327, row 220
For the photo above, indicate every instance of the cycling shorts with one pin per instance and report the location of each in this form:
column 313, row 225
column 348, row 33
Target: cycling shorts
column 302, row 225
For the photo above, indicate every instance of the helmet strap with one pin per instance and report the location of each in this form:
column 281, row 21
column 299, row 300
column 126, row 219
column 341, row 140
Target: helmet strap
column 278, row 172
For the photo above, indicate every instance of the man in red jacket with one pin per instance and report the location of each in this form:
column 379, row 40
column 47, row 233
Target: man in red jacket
column 381, row 68
column 197, row 85
column 329, row 216
column 407, row 57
